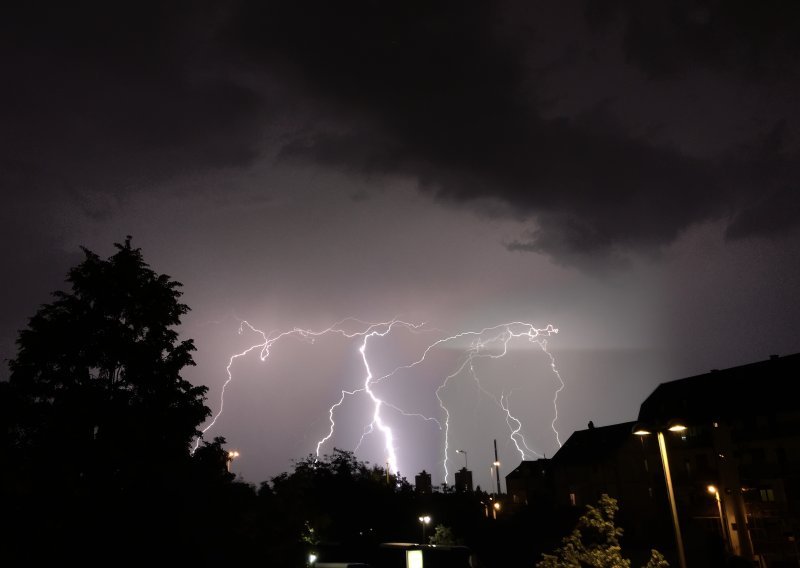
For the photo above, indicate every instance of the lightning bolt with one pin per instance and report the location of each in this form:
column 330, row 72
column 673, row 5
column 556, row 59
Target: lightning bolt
column 534, row 335
column 482, row 342
column 515, row 430
column 372, row 330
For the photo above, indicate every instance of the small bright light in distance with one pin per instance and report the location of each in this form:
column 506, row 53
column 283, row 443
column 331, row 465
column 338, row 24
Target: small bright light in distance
column 712, row 489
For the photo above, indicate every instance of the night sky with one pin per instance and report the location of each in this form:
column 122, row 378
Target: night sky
column 628, row 172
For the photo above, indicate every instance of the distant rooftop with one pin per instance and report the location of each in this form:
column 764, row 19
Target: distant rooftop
column 594, row 444
column 528, row 468
column 726, row 393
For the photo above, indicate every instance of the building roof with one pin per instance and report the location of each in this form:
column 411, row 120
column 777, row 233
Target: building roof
column 725, row 393
column 528, row 468
column 594, row 444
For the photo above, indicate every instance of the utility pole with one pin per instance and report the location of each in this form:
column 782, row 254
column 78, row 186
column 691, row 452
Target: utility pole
column 497, row 467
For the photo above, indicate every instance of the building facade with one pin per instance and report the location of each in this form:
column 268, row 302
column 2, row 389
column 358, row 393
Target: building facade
column 735, row 469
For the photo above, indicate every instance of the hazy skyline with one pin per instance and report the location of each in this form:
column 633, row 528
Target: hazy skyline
column 626, row 173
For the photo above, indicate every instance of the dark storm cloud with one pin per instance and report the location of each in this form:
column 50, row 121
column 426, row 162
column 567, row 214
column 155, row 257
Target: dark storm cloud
column 667, row 38
column 444, row 92
column 772, row 167
column 121, row 96
column 111, row 96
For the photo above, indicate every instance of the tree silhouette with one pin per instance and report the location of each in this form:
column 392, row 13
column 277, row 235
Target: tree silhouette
column 337, row 498
column 211, row 462
column 102, row 414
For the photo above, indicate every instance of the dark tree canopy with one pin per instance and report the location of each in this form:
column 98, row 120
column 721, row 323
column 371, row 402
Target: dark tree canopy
column 97, row 378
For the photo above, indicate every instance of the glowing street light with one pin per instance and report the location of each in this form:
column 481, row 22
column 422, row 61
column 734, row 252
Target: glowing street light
column 713, row 489
column 232, row 455
column 672, row 426
column 424, row 520
column 497, row 467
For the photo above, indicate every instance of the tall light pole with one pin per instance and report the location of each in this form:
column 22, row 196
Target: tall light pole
column 424, row 520
column 465, row 456
column 232, row 455
column 722, row 523
column 497, row 468
column 673, row 426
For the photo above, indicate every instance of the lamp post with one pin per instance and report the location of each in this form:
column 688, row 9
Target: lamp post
column 672, row 426
column 497, row 467
column 723, row 525
column 424, row 521
column 465, row 456
column 232, row 455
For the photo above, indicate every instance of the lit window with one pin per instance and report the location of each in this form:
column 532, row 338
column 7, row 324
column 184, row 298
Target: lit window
column 414, row 558
column 573, row 499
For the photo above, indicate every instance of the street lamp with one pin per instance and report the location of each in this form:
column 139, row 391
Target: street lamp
column 232, row 455
column 465, row 456
column 672, row 426
column 713, row 489
column 424, row 520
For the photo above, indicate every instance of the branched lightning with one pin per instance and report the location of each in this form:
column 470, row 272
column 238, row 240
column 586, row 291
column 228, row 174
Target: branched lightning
column 561, row 386
column 478, row 350
column 515, row 434
column 372, row 329
column 489, row 343
column 331, row 410
column 515, row 430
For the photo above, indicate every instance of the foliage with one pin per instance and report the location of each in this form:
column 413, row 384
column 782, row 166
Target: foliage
column 442, row 535
column 98, row 440
column 211, row 461
column 595, row 542
column 98, row 373
column 334, row 498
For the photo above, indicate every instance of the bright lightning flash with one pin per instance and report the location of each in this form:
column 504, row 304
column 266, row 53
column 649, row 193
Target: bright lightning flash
column 490, row 343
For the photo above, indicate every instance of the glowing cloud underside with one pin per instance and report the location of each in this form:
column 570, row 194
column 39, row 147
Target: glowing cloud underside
column 488, row 343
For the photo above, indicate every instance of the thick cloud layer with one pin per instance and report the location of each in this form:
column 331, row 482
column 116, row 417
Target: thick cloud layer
column 584, row 120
